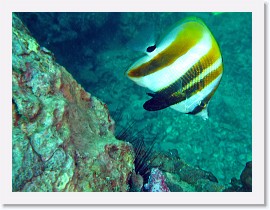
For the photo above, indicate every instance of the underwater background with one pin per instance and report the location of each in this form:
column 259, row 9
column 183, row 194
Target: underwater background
column 95, row 48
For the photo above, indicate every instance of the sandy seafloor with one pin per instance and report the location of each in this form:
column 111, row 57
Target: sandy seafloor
column 94, row 48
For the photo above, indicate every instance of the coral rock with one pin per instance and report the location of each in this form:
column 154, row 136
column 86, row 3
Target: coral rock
column 62, row 136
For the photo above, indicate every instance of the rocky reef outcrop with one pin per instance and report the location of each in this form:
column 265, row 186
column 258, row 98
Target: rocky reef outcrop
column 62, row 136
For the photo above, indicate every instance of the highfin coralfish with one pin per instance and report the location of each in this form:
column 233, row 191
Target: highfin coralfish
column 183, row 70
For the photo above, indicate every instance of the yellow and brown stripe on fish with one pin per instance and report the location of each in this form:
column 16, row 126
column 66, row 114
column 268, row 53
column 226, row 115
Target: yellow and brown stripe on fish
column 183, row 70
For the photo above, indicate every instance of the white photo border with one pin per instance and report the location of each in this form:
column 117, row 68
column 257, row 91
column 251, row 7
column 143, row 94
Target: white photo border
column 257, row 196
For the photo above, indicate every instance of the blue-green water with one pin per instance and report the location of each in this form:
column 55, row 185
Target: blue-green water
column 94, row 48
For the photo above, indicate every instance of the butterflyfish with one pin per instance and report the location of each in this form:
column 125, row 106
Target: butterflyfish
column 183, row 70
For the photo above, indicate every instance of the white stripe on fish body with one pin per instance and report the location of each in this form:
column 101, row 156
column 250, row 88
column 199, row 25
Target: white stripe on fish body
column 191, row 103
column 160, row 79
column 173, row 72
column 206, row 72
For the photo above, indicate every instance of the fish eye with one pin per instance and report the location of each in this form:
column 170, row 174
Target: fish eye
column 151, row 48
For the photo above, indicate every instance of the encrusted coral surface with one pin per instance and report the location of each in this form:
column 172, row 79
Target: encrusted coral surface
column 62, row 136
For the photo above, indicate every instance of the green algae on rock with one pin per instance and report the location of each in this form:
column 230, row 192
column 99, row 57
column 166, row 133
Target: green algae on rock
column 62, row 136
